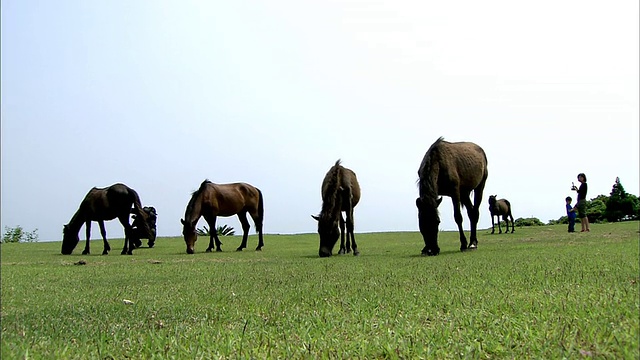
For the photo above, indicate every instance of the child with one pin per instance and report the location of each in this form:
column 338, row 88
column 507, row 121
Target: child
column 571, row 214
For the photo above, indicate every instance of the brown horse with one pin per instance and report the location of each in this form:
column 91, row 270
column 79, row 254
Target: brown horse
column 340, row 192
column 454, row 170
column 99, row 205
column 499, row 208
column 213, row 200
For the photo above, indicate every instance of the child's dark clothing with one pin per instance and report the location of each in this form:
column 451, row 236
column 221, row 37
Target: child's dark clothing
column 572, row 218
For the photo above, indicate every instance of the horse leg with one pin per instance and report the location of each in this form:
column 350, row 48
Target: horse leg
column 105, row 244
column 127, row 249
column 258, row 222
column 356, row 252
column 88, row 233
column 245, row 229
column 457, row 215
column 343, row 249
column 513, row 225
column 477, row 199
column 473, row 218
column 499, row 226
column 493, row 230
column 213, row 234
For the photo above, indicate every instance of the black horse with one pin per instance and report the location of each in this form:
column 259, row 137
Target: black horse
column 340, row 192
column 499, row 208
column 454, row 170
column 99, row 205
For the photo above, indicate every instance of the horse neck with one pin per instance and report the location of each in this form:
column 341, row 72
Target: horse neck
column 332, row 204
column 194, row 209
column 76, row 221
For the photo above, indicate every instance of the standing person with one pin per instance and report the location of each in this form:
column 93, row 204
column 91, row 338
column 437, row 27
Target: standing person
column 571, row 214
column 581, row 203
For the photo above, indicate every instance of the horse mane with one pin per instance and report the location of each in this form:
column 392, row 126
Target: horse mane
column 195, row 194
column 427, row 183
column 330, row 188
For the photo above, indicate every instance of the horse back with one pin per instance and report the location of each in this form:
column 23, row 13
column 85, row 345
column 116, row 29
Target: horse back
column 230, row 199
column 501, row 207
column 465, row 162
column 107, row 203
column 350, row 181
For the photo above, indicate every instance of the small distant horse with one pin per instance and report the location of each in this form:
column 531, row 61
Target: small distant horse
column 213, row 200
column 340, row 192
column 139, row 232
column 499, row 208
column 454, row 170
column 101, row 205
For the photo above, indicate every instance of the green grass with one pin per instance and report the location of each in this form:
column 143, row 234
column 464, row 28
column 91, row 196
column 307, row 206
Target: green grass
column 537, row 293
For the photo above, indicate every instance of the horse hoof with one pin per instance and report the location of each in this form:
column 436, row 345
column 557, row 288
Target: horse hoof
column 356, row 253
column 341, row 252
column 218, row 250
column 239, row 249
column 430, row 252
column 85, row 252
column 105, row 253
column 208, row 250
column 258, row 248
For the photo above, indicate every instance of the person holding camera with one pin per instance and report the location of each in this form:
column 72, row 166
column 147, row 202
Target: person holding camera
column 581, row 203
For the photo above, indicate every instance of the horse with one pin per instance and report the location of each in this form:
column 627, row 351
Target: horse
column 340, row 192
column 100, row 205
column 139, row 233
column 454, row 170
column 213, row 200
column 497, row 208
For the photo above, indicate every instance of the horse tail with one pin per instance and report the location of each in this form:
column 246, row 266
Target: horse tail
column 139, row 211
column 260, row 209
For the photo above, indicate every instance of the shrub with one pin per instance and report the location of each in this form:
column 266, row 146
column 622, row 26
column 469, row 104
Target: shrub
column 532, row 221
column 223, row 230
column 17, row 234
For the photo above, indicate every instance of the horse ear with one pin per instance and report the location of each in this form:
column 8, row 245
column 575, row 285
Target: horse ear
column 317, row 218
column 418, row 202
column 439, row 200
column 183, row 222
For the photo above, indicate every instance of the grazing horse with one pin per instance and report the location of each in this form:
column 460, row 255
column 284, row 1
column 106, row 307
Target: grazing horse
column 99, row 205
column 454, row 170
column 213, row 200
column 340, row 192
column 500, row 207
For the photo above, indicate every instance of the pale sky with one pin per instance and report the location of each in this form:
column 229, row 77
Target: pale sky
column 161, row 95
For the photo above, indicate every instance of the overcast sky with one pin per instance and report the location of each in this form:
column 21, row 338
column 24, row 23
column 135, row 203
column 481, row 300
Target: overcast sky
column 161, row 95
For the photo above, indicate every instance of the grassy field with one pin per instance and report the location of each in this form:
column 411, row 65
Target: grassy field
column 537, row 293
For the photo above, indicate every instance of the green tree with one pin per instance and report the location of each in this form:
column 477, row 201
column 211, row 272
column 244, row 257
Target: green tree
column 17, row 234
column 620, row 204
column 596, row 208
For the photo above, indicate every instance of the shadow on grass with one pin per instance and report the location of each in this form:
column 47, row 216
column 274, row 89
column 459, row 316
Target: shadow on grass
column 443, row 253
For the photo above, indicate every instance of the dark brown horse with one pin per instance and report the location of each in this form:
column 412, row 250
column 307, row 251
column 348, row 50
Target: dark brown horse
column 340, row 192
column 100, row 205
column 499, row 208
column 454, row 170
column 213, row 200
